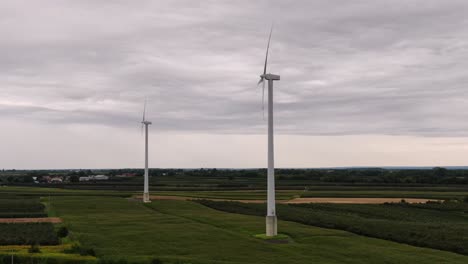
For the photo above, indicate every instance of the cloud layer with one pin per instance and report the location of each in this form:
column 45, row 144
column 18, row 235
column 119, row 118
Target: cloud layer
column 347, row 67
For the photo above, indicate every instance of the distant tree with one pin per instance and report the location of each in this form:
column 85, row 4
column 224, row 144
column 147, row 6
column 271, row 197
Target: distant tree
column 74, row 178
column 28, row 179
column 439, row 172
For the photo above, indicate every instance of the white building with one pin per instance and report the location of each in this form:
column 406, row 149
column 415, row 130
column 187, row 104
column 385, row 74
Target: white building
column 99, row 177
column 56, row 180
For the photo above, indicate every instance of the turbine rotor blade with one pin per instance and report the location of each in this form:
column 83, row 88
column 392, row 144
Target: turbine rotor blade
column 268, row 47
column 260, row 81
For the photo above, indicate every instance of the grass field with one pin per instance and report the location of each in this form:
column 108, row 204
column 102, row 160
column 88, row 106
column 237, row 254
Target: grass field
column 441, row 226
column 188, row 232
column 312, row 191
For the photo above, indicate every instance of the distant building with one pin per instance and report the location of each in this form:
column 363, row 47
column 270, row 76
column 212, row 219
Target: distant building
column 56, row 180
column 99, row 177
column 84, row 179
column 44, row 179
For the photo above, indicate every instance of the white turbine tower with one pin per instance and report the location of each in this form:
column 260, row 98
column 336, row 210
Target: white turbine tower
column 271, row 221
column 146, row 123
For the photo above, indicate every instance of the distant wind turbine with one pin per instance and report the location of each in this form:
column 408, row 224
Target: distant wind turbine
column 271, row 221
column 145, row 123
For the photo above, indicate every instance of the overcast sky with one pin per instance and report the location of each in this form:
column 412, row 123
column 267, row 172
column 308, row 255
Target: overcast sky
column 363, row 83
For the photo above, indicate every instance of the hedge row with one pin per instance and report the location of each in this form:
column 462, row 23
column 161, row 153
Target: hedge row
column 27, row 234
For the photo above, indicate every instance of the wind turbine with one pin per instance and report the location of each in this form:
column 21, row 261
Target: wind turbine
column 146, row 123
column 271, row 221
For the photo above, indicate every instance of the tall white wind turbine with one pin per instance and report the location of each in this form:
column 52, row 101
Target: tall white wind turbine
column 145, row 123
column 271, row 221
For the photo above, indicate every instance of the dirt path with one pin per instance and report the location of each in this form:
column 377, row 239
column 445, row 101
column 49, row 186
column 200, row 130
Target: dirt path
column 54, row 220
column 301, row 200
column 356, row 200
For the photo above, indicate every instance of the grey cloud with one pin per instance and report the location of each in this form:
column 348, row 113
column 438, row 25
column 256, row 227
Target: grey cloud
column 348, row 67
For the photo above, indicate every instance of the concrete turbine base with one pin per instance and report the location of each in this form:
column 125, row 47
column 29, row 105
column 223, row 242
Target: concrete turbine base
column 146, row 198
column 271, row 225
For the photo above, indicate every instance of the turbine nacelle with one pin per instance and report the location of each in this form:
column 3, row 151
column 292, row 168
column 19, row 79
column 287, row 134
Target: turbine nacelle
column 269, row 76
column 146, row 122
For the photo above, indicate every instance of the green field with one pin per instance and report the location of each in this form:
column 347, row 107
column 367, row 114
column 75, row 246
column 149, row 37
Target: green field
column 440, row 226
column 118, row 227
column 188, row 232
column 313, row 191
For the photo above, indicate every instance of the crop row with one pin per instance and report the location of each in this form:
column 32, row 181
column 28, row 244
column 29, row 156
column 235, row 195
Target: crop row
column 27, row 234
column 21, row 207
column 425, row 227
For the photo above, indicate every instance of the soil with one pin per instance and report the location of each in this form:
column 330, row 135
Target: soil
column 356, row 200
column 54, row 220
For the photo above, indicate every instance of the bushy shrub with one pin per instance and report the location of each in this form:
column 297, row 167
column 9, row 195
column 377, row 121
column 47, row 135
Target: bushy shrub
column 156, row 261
column 62, row 232
column 34, row 249
column 76, row 248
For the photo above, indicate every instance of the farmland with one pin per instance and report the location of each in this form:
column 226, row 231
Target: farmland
column 189, row 232
column 21, row 230
column 27, row 234
column 21, row 207
column 24, row 233
column 440, row 226
column 117, row 227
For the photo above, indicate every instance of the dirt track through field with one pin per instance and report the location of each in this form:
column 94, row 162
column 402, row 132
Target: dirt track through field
column 54, row 220
column 302, row 200
column 356, row 200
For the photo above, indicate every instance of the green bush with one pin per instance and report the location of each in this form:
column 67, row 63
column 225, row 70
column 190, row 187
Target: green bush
column 156, row 261
column 83, row 251
column 62, row 232
column 34, row 249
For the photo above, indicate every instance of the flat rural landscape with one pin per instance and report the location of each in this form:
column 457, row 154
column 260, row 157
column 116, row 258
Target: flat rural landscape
column 213, row 222
column 232, row 132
